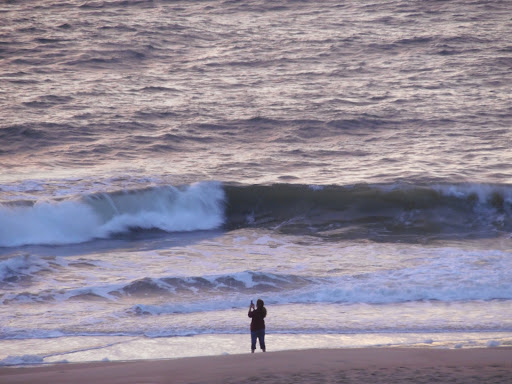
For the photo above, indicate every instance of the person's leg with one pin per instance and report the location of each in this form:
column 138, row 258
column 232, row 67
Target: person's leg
column 261, row 339
column 253, row 341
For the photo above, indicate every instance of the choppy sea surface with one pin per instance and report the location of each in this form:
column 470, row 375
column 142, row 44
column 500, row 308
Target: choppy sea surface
column 163, row 163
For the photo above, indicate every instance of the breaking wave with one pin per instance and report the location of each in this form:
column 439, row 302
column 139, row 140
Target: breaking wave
column 196, row 207
column 195, row 287
column 452, row 277
column 375, row 212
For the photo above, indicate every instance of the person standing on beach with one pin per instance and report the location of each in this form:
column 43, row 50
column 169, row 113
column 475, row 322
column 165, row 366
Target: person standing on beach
column 257, row 315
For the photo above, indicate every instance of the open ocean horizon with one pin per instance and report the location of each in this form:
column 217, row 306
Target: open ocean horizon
column 163, row 163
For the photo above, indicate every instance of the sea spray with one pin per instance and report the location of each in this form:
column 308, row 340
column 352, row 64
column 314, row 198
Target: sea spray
column 198, row 206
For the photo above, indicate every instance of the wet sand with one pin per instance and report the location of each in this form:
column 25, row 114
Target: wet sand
column 364, row 365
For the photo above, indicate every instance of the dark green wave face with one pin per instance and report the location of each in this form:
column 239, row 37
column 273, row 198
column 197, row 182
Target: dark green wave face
column 376, row 212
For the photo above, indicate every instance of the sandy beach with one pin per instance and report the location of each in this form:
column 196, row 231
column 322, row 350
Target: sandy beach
column 365, row 365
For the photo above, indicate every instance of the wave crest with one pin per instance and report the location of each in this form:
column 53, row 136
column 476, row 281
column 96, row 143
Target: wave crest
column 195, row 207
column 377, row 212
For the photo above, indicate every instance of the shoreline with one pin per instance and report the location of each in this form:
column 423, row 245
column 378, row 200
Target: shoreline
column 489, row 365
column 84, row 349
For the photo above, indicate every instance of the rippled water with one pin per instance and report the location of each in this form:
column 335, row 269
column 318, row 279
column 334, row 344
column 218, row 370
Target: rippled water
column 337, row 92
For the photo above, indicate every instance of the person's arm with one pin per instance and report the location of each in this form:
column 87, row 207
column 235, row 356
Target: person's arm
column 251, row 309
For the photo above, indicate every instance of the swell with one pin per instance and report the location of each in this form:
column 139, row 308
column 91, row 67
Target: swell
column 398, row 212
column 377, row 212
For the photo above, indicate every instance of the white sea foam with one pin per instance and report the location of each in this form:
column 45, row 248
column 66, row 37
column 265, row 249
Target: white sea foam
column 63, row 222
column 196, row 207
column 21, row 265
column 21, row 360
column 483, row 192
column 199, row 207
column 442, row 274
column 451, row 276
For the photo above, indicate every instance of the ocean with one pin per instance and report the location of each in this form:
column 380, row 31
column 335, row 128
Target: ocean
column 163, row 163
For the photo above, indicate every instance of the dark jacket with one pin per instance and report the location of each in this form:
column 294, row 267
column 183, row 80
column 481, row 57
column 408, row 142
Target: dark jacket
column 257, row 322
